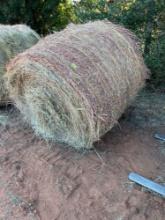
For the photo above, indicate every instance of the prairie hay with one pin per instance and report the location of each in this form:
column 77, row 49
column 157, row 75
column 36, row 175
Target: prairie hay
column 14, row 39
column 74, row 85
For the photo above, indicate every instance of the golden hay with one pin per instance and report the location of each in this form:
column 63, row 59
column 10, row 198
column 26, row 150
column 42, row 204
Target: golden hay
column 13, row 40
column 74, row 85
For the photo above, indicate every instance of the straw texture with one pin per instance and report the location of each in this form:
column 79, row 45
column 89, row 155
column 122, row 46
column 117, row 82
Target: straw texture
column 14, row 39
column 73, row 86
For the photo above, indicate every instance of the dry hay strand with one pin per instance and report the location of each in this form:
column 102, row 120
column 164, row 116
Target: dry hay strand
column 14, row 39
column 74, row 85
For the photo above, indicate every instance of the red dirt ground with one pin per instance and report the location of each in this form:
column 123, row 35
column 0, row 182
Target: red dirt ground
column 39, row 182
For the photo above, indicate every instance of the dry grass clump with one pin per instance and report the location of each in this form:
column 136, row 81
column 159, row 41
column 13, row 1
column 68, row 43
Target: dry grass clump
column 14, row 39
column 74, row 85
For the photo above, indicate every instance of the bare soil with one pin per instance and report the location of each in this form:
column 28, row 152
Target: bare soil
column 44, row 181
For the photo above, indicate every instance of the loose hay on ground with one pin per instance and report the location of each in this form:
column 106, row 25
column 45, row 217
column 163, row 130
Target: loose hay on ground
column 14, row 39
column 74, row 85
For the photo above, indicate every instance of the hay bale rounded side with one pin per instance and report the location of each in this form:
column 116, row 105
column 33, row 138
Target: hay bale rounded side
column 14, row 39
column 74, row 85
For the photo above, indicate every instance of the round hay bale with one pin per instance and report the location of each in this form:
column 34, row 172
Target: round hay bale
column 13, row 40
column 74, row 85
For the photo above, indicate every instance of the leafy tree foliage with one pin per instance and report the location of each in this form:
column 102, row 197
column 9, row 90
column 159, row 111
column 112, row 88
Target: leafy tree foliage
column 42, row 15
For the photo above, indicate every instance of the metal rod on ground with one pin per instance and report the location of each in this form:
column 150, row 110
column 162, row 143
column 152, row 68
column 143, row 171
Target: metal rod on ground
column 155, row 187
column 159, row 137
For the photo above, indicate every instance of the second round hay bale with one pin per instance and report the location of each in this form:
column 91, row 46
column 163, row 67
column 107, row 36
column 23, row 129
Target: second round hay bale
column 74, row 85
column 14, row 39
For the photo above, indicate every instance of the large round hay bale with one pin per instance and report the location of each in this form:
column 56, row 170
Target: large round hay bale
column 74, row 85
column 14, row 39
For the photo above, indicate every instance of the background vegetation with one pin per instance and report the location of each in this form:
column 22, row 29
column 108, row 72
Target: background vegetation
column 144, row 17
